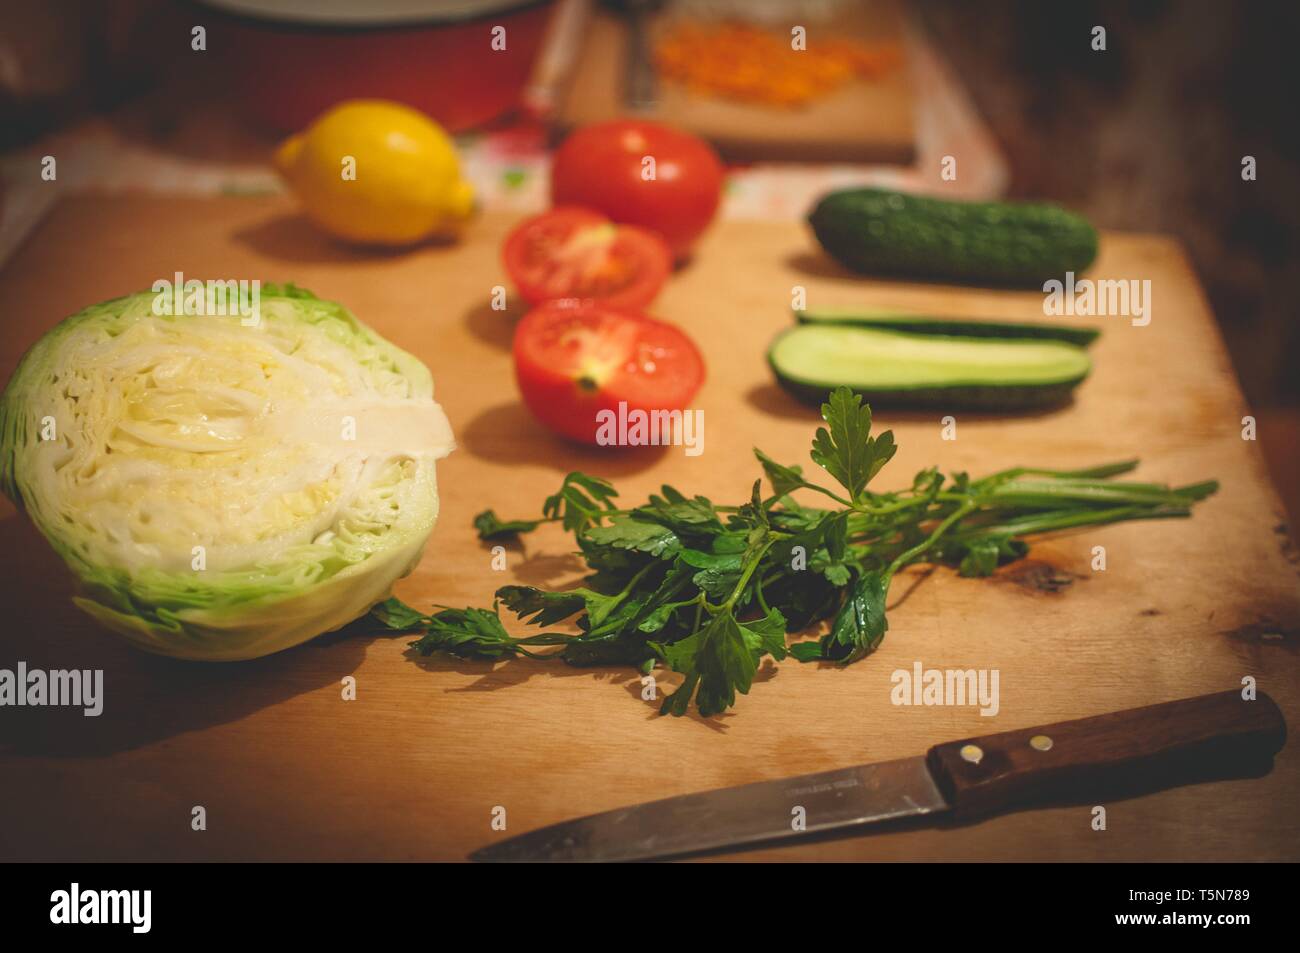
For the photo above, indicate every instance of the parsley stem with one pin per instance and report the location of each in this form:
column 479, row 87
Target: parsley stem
column 908, row 555
column 750, row 565
column 655, row 561
column 888, row 508
column 834, row 496
column 634, row 580
column 1097, row 472
column 1047, row 521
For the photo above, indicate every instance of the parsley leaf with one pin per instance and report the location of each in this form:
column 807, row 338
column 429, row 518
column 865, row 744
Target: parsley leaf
column 710, row 590
column 859, row 626
column 720, row 660
column 490, row 527
column 982, row 555
column 468, row 633
column 643, row 536
column 847, row 451
column 581, row 501
column 396, row 614
column 784, row 479
column 693, row 516
column 539, row 607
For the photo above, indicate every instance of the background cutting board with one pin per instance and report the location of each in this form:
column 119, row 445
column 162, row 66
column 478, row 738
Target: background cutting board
column 414, row 767
column 865, row 121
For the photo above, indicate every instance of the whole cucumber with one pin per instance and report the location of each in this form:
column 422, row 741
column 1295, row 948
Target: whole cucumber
column 1003, row 243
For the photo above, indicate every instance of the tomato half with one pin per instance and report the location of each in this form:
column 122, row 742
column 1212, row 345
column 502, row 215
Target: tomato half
column 575, row 359
column 577, row 253
column 606, row 167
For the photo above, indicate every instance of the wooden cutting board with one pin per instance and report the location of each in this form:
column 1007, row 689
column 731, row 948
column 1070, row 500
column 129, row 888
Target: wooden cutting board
column 863, row 121
column 414, row 767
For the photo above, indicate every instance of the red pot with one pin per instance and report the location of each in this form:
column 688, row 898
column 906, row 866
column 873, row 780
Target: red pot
column 290, row 60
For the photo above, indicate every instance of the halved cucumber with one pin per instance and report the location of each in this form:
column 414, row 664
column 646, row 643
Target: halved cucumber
column 926, row 370
column 959, row 327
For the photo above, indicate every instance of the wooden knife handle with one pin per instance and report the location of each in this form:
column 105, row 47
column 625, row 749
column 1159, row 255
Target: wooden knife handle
column 1119, row 754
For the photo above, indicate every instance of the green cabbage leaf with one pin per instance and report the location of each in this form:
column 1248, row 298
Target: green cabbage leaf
column 222, row 490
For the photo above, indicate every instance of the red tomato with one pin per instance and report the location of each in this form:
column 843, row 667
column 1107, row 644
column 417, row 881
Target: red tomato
column 574, row 359
column 577, row 253
column 601, row 167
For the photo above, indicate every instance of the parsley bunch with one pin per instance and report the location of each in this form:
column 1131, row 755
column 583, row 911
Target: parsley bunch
column 709, row 590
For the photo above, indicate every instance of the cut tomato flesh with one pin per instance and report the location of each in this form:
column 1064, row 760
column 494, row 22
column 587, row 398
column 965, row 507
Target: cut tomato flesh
column 581, row 264
column 573, row 253
column 573, row 360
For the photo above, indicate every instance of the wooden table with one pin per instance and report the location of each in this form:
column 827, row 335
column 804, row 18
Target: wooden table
column 413, row 768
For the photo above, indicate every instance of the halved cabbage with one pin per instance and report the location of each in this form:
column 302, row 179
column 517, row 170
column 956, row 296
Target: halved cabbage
column 224, row 491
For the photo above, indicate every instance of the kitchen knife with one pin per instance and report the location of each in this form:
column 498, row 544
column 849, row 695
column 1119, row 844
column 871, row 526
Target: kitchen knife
column 1115, row 755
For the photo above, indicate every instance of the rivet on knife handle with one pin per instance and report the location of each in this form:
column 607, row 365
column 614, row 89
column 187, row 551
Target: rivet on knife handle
column 1126, row 752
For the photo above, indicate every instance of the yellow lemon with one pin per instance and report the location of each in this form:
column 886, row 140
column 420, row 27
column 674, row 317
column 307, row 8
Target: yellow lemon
column 377, row 172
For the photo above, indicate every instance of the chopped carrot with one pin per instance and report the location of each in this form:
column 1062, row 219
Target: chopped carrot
column 741, row 61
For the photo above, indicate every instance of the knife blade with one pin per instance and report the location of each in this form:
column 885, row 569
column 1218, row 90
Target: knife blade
column 1118, row 754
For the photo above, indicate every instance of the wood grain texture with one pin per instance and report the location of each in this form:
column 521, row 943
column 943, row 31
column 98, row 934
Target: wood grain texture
column 863, row 121
column 413, row 768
